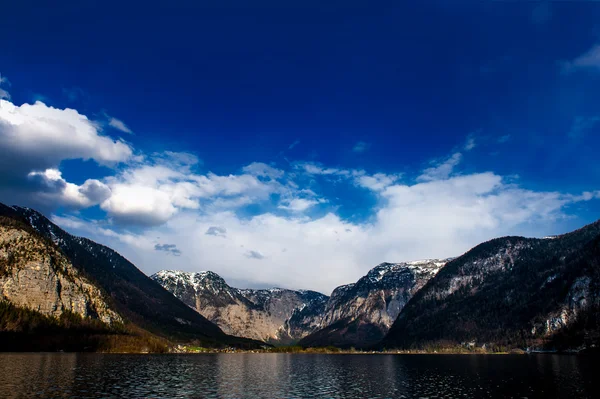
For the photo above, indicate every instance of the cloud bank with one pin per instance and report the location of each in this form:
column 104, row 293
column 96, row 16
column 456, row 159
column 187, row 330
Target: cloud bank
column 164, row 210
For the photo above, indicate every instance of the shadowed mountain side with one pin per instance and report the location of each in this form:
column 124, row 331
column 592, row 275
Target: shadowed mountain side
column 510, row 292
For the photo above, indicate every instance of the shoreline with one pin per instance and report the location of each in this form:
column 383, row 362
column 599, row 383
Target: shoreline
column 341, row 353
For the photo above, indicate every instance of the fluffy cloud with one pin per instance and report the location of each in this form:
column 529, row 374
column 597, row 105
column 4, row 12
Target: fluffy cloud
column 437, row 218
column 154, row 190
column 193, row 214
column 53, row 188
column 298, row 204
column 139, row 204
column 264, row 170
column 39, row 137
column 376, row 182
column 148, row 190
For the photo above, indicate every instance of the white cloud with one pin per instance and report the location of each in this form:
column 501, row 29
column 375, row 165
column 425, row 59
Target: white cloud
column 361, row 146
column 316, row 169
column 52, row 188
column 139, row 204
column 262, row 169
column 436, row 218
column 441, row 170
column 39, row 137
column 359, row 177
column 588, row 60
column 194, row 215
column 180, row 160
column 376, row 182
column 119, row 125
column 298, row 204
column 154, row 190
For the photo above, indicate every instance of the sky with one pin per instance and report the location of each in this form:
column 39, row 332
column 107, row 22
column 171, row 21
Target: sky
column 299, row 144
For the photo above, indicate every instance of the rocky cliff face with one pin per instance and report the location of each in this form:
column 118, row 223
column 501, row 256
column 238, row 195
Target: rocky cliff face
column 34, row 274
column 355, row 315
column 257, row 314
column 510, row 292
column 360, row 314
column 139, row 300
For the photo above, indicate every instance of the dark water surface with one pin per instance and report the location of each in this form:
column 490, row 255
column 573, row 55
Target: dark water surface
column 297, row 376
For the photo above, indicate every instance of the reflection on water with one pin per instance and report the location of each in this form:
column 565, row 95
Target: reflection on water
column 296, row 376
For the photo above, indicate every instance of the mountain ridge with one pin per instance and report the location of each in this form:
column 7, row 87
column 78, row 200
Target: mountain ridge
column 373, row 302
column 254, row 313
column 510, row 292
column 359, row 314
column 132, row 294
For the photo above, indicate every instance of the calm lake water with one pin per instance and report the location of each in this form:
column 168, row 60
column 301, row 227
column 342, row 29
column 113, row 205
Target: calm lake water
column 296, row 376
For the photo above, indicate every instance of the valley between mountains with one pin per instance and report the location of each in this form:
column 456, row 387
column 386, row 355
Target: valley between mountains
column 62, row 292
column 356, row 314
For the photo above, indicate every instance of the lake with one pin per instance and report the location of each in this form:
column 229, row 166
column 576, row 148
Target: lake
column 62, row 375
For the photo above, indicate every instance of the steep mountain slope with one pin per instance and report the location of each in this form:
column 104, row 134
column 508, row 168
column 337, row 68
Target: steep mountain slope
column 510, row 292
column 133, row 295
column 257, row 314
column 46, row 304
column 360, row 314
column 35, row 275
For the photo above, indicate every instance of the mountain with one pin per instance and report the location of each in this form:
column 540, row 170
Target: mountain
column 510, row 292
column 357, row 314
column 257, row 314
column 138, row 300
column 34, row 274
column 360, row 314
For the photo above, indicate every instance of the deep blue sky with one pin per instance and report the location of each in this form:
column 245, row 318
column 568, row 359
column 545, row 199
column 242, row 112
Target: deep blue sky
column 410, row 78
column 240, row 82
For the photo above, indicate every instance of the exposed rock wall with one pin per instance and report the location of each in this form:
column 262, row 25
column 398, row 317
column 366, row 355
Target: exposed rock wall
column 35, row 275
column 361, row 313
column 256, row 314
